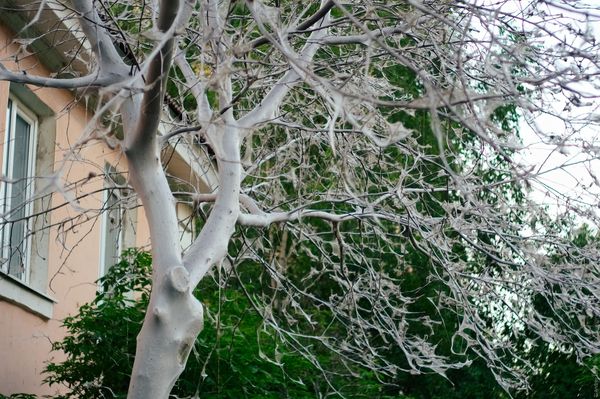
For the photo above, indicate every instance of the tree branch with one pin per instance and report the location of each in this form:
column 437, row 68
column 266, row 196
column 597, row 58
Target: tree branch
column 365, row 38
column 95, row 80
column 265, row 219
column 268, row 106
column 210, row 247
column 325, row 8
column 173, row 16
column 196, row 86
column 101, row 42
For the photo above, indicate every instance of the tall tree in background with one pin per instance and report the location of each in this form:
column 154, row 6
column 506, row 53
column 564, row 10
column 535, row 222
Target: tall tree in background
column 277, row 91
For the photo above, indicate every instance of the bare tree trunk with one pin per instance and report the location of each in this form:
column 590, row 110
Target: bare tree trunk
column 174, row 317
column 173, row 321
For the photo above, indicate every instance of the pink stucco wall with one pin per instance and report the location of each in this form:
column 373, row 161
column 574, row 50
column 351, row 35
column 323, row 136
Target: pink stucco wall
column 73, row 261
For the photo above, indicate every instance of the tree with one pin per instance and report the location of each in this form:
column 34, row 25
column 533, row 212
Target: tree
column 276, row 91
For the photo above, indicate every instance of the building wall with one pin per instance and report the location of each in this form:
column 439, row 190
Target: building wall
column 73, row 248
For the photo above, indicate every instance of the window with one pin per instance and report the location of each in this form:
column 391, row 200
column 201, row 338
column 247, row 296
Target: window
column 113, row 230
column 17, row 191
column 28, row 139
column 118, row 222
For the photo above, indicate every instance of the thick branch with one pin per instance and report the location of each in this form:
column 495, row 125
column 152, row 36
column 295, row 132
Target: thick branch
column 211, row 245
column 94, row 79
column 100, row 41
column 268, row 106
column 197, row 88
column 172, row 16
column 302, row 27
column 265, row 219
column 365, row 38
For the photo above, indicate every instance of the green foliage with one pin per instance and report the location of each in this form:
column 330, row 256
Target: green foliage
column 561, row 376
column 100, row 343
column 559, row 373
column 235, row 356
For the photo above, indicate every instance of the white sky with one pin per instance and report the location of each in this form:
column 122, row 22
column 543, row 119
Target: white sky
column 565, row 171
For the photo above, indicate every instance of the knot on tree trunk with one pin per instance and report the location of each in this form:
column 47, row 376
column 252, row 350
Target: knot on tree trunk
column 179, row 278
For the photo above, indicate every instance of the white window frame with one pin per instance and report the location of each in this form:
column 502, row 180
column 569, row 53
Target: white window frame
column 14, row 108
column 113, row 184
column 105, row 226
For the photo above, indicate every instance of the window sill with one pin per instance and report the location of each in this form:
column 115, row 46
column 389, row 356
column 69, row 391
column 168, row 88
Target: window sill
column 22, row 295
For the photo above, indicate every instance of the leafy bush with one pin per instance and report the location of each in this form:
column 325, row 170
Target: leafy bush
column 234, row 356
column 100, row 343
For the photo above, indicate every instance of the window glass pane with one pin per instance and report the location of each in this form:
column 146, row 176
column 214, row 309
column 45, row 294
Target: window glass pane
column 15, row 237
column 112, row 234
